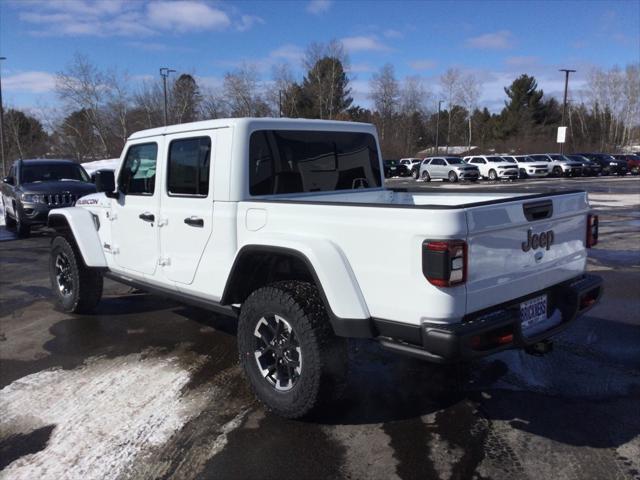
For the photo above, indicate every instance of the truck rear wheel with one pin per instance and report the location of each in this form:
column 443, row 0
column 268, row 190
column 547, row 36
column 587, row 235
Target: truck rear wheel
column 76, row 287
column 292, row 359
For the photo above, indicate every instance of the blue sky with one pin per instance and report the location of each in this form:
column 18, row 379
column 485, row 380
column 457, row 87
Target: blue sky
column 495, row 40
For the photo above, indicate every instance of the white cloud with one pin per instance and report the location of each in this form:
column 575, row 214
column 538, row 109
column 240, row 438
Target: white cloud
column 29, row 82
column 497, row 40
column 247, row 22
column 289, row 52
column 108, row 18
column 318, row 7
column 184, row 16
column 364, row 43
column 421, row 65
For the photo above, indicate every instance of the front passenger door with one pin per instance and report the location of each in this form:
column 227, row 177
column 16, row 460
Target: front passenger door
column 136, row 211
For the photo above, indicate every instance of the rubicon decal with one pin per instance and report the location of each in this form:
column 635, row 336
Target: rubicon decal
column 538, row 240
column 87, row 201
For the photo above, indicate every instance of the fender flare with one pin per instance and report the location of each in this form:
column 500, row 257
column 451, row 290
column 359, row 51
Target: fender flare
column 78, row 223
column 332, row 274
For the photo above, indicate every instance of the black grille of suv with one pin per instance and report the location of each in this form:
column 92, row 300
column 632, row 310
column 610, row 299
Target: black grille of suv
column 59, row 199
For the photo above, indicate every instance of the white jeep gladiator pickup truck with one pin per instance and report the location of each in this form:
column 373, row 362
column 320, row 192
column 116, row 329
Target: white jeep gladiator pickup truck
column 286, row 224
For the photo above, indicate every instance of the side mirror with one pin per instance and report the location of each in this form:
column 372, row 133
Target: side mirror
column 105, row 182
column 8, row 180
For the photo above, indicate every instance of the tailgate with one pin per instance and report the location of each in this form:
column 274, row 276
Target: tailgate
column 522, row 246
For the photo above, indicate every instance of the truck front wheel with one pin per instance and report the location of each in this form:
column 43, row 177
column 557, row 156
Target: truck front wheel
column 289, row 353
column 76, row 287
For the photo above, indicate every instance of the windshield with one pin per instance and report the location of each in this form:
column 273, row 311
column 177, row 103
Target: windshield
column 390, row 163
column 296, row 161
column 509, row 159
column 539, row 158
column 53, row 172
column 524, row 159
column 454, row 161
column 495, row 159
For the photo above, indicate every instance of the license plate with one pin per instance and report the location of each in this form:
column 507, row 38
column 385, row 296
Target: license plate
column 533, row 312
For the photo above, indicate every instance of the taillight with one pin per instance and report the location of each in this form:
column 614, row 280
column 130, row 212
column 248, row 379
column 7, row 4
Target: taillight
column 444, row 263
column 592, row 230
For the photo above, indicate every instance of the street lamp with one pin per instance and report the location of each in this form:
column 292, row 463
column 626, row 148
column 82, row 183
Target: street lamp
column 440, row 102
column 564, row 104
column 164, row 73
column 4, row 172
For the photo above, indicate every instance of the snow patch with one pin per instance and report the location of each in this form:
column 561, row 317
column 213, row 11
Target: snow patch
column 106, row 413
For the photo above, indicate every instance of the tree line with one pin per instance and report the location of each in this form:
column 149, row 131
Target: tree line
column 100, row 108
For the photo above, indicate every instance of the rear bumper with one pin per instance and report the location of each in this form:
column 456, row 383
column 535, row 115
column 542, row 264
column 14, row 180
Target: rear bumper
column 493, row 329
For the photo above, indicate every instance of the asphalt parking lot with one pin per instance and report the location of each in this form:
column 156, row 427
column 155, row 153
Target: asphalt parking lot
column 148, row 388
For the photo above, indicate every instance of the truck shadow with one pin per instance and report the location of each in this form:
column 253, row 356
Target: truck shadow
column 411, row 399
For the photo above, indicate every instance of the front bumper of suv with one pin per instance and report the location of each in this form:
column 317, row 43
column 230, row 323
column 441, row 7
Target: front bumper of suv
column 493, row 329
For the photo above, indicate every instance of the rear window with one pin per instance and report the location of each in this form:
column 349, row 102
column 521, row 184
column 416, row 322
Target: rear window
column 294, row 161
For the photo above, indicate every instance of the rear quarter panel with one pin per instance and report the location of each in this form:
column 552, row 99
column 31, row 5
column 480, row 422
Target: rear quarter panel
column 382, row 246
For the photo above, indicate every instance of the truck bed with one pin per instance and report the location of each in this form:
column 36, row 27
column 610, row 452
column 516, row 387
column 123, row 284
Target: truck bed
column 446, row 199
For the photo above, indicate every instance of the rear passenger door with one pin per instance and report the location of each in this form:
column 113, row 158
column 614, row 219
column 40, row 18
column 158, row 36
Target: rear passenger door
column 186, row 205
column 437, row 168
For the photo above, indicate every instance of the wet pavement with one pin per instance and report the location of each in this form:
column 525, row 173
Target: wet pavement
column 149, row 388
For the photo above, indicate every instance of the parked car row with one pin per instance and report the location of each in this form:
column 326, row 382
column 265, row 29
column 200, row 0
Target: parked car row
column 511, row 167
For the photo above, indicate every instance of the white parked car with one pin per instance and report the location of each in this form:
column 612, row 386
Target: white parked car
column 447, row 168
column 528, row 167
column 493, row 167
column 285, row 224
column 559, row 165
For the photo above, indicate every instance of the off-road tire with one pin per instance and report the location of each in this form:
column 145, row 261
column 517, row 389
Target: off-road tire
column 415, row 174
column 426, row 177
column 493, row 175
column 86, row 290
column 324, row 356
column 453, row 178
column 557, row 171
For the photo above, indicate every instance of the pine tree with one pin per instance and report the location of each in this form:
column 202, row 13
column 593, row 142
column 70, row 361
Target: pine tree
column 325, row 91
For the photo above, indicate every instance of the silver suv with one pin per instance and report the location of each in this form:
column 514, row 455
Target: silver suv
column 447, row 168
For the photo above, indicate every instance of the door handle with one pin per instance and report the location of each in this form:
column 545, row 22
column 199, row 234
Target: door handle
column 147, row 217
column 194, row 222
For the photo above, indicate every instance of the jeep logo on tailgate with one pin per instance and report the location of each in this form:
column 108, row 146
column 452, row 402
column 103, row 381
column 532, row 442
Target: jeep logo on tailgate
column 538, row 240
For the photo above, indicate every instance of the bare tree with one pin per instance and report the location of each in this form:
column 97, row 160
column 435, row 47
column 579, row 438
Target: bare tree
column 103, row 98
column 449, row 87
column 282, row 92
column 467, row 95
column 385, row 94
column 243, row 92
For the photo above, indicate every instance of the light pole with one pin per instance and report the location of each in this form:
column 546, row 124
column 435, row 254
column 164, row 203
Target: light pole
column 164, row 73
column 440, row 102
column 4, row 171
column 564, row 104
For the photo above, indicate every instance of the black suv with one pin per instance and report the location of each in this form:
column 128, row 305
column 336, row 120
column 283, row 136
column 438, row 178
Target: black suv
column 33, row 187
column 610, row 166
